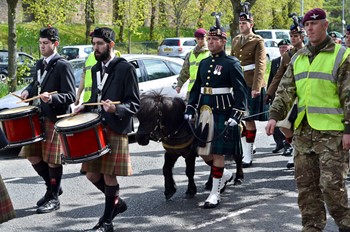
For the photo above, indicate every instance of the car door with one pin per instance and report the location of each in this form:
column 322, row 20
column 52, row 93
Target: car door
column 158, row 76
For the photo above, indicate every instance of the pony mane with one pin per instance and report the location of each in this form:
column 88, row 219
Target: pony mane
column 171, row 108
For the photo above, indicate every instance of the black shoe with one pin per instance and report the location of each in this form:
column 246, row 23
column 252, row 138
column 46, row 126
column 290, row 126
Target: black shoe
column 278, row 148
column 48, row 207
column 288, row 150
column 247, row 165
column 102, row 227
column 120, row 207
column 208, row 205
column 48, row 196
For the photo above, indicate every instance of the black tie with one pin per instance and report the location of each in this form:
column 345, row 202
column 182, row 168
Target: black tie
column 45, row 64
column 104, row 68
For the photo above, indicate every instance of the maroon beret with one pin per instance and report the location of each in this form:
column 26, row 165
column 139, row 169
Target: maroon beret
column 200, row 32
column 314, row 14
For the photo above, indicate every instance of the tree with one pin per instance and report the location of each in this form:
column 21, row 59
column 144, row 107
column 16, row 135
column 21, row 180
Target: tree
column 153, row 19
column 51, row 12
column 179, row 7
column 89, row 18
column 12, row 43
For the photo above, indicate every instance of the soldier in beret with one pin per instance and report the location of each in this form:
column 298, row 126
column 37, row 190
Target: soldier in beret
column 190, row 67
column 53, row 74
column 347, row 36
column 219, row 94
column 117, row 82
column 318, row 76
column 249, row 48
column 283, row 46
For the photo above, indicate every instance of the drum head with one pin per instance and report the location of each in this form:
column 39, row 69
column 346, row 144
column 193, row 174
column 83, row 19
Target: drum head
column 77, row 120
column 18, row 111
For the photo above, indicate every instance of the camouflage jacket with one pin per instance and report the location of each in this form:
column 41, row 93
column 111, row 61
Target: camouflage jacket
column 185, row 71
column 287, row 92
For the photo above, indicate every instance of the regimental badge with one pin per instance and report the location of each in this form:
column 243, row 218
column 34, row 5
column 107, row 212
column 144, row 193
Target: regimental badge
column 217, row 70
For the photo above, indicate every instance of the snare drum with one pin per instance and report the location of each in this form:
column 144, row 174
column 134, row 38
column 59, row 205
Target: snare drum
column 21, row 125
column 82, row 137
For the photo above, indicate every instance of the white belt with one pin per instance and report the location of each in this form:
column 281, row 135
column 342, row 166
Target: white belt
column 210, row 90
column 248, row 67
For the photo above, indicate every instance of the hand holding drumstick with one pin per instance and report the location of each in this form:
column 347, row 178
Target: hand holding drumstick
column 45, row 96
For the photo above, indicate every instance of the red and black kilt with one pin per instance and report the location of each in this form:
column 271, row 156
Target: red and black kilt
column 6, row 208
column 49, row 149
column 229, row 144
column 257, row 105
column 116, row 162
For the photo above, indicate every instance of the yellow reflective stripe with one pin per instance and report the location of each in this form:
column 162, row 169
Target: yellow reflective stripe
column 314, row 75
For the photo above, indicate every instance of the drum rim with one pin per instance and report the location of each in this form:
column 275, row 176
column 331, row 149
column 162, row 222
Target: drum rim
column 30, row 110
column 75, row 128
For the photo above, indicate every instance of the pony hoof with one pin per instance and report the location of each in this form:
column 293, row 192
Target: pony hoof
column 237, row 182
column 169, row 195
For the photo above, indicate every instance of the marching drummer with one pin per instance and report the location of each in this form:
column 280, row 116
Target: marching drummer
column 113, row 79
column 53, row 74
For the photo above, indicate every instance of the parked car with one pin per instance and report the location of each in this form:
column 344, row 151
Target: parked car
column 157, row 73
column 77, row 65
column 274, row 34
column 272, row 50
column 76, row 51
column 22, row 58
column 176, row 47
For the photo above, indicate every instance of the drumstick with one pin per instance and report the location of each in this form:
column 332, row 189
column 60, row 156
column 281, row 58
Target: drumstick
column 100, row 103
column 13, row 94
column 65, row 115
column 36, row 97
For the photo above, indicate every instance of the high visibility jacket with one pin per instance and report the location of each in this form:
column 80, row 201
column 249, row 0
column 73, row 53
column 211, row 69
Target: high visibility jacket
column 317, row 91
column 91, row 61
column 194, row 63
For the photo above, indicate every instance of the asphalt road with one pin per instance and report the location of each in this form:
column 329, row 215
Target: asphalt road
column 266, row 201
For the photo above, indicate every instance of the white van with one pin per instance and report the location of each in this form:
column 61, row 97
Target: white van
column 273, row 34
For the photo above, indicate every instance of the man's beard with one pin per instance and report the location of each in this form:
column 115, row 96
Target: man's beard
column 104, row 55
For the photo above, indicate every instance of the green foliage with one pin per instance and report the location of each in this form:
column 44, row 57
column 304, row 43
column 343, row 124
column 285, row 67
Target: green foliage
column 3, row 89
column 51, row 12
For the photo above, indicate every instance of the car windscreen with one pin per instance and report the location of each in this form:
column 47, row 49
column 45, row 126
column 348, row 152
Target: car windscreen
column 170, row 42
column 156, row 69
column 264, row 34
column 70, row 53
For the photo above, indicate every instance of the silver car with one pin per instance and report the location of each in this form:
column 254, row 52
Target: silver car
column 176, row 47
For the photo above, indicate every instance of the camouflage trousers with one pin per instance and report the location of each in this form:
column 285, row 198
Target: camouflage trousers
column 321, row 166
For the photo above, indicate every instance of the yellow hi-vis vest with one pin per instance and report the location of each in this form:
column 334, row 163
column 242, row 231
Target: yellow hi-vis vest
column 317, row 89
column 194, row 63
column 91, row 61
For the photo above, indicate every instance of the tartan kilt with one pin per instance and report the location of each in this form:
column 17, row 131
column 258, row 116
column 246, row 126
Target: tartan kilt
column 257, row 105
column 230, row 143
column 7, row 211
column 49, row 149
column 116, row 162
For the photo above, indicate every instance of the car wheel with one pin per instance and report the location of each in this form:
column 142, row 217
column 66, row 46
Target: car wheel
column 3, row 77
column 267, row 58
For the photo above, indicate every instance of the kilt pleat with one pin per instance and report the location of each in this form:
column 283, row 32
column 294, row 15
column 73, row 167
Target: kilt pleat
column 116, row 162
column 7, row 211
column 49, row 149
column 257, row 105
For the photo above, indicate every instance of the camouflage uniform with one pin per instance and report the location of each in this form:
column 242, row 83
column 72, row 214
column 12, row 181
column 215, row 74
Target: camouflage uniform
column 185, row 71
column 321, row 164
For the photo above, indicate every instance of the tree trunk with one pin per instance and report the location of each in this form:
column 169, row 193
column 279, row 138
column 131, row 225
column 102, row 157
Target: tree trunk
column 236, row 10
column 89, row 19
column 153, row 18
column 162, row 19
column 12, row 43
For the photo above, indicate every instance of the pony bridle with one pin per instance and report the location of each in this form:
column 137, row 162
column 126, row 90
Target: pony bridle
column 158, row 137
